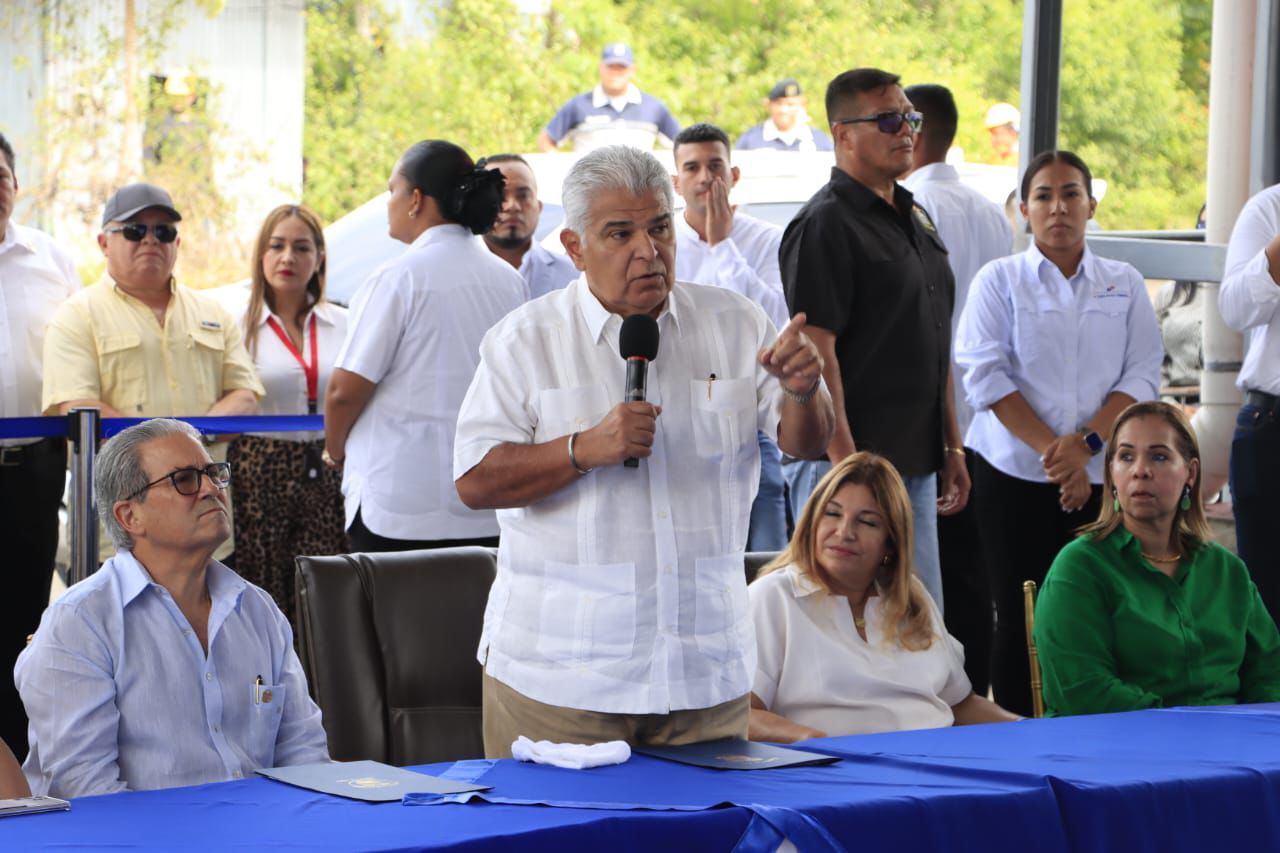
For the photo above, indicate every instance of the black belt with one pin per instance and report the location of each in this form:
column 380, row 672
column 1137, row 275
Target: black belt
column 1268, row 403
column 13, row 455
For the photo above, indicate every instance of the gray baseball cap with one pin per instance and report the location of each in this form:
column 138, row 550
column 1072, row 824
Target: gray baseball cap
column 131, row 200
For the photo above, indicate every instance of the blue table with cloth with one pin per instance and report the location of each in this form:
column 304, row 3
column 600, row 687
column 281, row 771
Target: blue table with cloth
column 1164, row 780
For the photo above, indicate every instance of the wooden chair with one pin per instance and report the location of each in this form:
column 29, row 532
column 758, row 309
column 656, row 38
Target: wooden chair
column 1029, row 615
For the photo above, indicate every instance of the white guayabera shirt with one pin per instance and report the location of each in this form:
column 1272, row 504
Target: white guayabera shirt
column 624, row 592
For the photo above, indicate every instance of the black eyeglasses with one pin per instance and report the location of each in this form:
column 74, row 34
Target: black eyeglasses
column 135, row 231
column 186, row 481
column 888, row 122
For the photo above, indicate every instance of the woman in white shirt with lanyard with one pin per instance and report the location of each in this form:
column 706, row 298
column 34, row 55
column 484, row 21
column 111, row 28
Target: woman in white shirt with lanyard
column 1054, row 344
column 287, row 501
column 848, row 640
column 392, row 408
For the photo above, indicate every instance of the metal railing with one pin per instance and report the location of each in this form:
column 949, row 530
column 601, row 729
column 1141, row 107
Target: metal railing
column 86, row 428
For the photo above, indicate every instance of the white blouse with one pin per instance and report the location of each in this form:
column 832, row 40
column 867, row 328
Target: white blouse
column 1065, row 344
column 282, row 375
column 415, row 330
column 814, row 668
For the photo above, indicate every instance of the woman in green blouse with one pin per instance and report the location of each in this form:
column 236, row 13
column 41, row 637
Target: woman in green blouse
column 1143, row 610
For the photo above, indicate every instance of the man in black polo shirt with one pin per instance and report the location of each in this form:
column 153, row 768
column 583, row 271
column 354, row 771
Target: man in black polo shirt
column 868, row 267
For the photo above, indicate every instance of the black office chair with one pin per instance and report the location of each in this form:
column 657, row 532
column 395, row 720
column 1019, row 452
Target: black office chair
column 388, row 642
column 755, row 561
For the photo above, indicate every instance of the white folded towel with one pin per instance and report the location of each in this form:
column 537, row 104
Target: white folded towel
column 574, row 756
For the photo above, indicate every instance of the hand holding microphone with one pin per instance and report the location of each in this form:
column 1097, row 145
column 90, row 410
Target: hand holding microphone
column 626, row 433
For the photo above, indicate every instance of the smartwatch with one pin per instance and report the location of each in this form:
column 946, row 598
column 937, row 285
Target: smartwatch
column 1092, row 440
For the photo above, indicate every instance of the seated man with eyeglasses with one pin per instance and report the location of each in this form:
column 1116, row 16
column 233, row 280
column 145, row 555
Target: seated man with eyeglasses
column 164, row 668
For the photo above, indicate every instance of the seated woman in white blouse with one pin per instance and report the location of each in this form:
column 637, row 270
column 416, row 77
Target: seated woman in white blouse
column 849, row 641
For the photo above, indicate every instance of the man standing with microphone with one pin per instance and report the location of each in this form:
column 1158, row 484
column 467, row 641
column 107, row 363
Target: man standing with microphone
column 620, row 607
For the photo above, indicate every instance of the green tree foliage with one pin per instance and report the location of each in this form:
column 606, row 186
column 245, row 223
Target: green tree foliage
column 1134, row 83
column 101, row 124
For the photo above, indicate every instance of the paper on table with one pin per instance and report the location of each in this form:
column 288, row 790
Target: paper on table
column 733, row 754
column 32, row 805
column 371, row 781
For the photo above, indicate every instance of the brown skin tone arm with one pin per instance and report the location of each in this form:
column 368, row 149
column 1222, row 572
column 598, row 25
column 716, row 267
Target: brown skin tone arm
column 764, row 725
column 12, row 783
column 1020, row 419
column 954, row 485
column 1273, row 258
column 978, row 709
column 241, row 401
column 512, row 475
column 545, row 142
column 1069, row 452
column 804, row 429
column 107, row 411
column 841, row 444
column 347, row 395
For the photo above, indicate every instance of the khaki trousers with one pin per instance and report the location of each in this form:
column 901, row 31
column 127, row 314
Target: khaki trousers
column 508, row 714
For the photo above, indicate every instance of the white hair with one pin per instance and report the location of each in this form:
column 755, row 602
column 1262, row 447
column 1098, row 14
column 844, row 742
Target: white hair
column 614, row 167
column 119, row 472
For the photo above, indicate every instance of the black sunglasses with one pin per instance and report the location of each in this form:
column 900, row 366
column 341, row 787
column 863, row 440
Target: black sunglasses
column 135, row 231
column 888, row 122
column 186, row 481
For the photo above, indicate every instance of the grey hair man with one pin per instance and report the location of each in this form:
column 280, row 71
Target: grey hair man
column 164, row 668
column 640, row 631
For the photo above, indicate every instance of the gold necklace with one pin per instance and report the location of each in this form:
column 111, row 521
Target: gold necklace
column 859, row 622
column 1176, row 555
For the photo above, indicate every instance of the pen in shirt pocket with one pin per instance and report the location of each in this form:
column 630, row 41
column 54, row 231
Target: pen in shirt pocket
column 261, row 694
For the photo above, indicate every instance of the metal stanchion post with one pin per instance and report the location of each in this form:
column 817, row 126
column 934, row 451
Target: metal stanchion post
column 83, row 428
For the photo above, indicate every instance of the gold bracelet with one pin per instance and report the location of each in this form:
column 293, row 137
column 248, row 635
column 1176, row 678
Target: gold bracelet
column 959, row 450
column 573, row 460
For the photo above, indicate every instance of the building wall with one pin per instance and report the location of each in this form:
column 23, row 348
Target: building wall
column 253, row 53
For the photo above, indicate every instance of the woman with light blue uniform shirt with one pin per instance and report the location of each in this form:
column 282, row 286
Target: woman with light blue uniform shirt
column 1054, row 344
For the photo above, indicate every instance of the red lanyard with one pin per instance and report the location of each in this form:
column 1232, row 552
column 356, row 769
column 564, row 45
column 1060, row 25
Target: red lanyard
column 312, row 370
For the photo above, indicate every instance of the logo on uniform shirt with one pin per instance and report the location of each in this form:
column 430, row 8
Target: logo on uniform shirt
column 211, row 324
column 923, row 218
column 1110, row 291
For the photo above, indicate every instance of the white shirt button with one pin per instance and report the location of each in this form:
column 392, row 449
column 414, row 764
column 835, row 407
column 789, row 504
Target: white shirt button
column 208, row 676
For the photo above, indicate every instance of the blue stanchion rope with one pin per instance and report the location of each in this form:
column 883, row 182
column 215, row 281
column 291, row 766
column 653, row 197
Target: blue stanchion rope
column 56, row 426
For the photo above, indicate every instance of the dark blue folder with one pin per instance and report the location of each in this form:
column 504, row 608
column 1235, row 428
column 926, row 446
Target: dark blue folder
column 372, row 781
column 732, row 754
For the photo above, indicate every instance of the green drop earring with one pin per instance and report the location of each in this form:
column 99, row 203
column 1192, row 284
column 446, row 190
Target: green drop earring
column 1185, row 503
column 1115, row 500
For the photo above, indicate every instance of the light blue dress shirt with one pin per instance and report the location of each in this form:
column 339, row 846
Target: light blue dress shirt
column 121, row 695
column 544, row 271
column 1065, row 344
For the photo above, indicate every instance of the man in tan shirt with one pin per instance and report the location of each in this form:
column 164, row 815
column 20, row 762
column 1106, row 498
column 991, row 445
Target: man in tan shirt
column 136, row 344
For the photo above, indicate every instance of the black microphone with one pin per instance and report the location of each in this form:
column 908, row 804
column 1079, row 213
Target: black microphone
column 638, row 343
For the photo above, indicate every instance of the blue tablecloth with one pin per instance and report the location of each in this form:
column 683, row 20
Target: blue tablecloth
column 1171, row 780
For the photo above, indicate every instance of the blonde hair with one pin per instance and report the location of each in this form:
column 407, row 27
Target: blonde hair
column 906, row 609
column 1191, row 524
column 259, row 292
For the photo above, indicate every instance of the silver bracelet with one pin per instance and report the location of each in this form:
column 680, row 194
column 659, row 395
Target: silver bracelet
column 805, row 397
column 573, row 460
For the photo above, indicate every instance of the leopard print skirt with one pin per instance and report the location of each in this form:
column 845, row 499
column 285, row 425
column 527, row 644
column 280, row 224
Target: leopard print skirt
column 287, row 503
